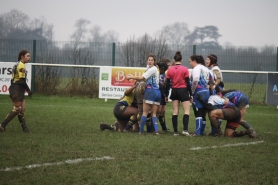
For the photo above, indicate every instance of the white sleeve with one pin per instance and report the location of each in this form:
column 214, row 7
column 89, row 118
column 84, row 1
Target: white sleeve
column 149, row 72
column 216, row 100
column 196, row 72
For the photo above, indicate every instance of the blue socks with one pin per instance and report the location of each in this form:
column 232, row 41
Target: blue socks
column 155, row 124
column 203, row 127
column 199, row 123
column 142, row 124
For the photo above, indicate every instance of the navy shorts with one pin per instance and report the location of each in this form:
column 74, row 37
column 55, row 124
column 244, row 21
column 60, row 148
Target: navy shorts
column 119, row 109
column 152, row 96
column 243, row 102
column 205, row 96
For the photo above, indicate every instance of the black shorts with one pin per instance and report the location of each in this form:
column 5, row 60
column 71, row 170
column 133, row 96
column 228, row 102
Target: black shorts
column 180, row 94
column 232, row 114
column 17, row 93
column 119, row 109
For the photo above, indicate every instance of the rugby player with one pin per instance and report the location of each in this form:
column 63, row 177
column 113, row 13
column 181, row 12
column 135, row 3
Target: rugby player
column 201, row 77
column 241, row 101
column 221, row 108
column 125, row 111
column 17, row 89
column 152, row 94
column 211, row 63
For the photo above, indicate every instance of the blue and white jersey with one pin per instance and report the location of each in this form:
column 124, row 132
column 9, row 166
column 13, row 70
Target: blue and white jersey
column 218, row 102
column 152, row 77
column 236, row 97
column 200, row 78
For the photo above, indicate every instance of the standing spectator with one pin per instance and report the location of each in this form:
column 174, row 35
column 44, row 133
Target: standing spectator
column 17, row 90
column 181, row 92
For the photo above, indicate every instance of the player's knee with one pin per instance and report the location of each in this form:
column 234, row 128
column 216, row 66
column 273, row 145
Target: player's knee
column 229, row 132
column 17, row 109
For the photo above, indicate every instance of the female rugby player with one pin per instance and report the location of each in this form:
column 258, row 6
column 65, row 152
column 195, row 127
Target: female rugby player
column 152, row 94
column 201, row 76
column 124, row 111
column 17, row 90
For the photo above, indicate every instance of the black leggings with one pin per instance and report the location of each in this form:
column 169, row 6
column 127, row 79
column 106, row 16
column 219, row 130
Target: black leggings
column 201, row 112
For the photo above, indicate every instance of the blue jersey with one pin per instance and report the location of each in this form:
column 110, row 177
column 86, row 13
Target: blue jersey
column 236, row 97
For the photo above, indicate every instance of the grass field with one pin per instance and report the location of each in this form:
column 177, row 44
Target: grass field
column 65, row 146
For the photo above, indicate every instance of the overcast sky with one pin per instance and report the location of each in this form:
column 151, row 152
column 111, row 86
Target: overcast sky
column 240, row 22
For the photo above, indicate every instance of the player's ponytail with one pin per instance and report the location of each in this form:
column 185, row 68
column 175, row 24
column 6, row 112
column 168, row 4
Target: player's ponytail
column 22, row 53
column 178, row 56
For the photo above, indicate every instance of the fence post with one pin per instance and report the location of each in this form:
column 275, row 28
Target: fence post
column 113, row 54
column 277, row 59
column 33, row 67
column 194, row 49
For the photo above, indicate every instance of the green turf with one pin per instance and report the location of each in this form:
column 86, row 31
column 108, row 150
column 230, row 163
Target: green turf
column 65, row 128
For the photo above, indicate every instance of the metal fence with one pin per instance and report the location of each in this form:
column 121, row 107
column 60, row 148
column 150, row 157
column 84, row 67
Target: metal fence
column 248, row 58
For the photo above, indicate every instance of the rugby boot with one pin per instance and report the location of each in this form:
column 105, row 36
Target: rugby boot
column 24, row 128
column 101, row 126
column 252, row 133
column 2, row 128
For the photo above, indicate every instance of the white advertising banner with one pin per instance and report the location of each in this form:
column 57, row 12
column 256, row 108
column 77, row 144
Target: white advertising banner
column 113, row 82
column 6, row 75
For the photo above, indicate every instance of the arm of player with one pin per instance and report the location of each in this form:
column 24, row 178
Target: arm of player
column 22, row 82
column 129, row 90
column 218, row 77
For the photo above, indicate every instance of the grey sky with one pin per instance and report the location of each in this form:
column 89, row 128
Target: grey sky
column 241, row 22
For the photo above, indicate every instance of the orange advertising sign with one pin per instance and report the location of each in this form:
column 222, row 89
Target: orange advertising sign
column 118, row 76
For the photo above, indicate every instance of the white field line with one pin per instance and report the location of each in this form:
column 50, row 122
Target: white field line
column 227, row 145
column 70, row 161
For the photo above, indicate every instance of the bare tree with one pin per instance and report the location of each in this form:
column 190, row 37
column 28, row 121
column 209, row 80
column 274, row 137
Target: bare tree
column 45, row 28
column 145, row 47
column 97, row 35
column 128, row 52
column 17, row 25
column 175, row 33
column 80, row 30
column 136, row 51
column 162, row 48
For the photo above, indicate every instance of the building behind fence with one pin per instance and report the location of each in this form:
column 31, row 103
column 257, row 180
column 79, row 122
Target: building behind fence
column 133, row 54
